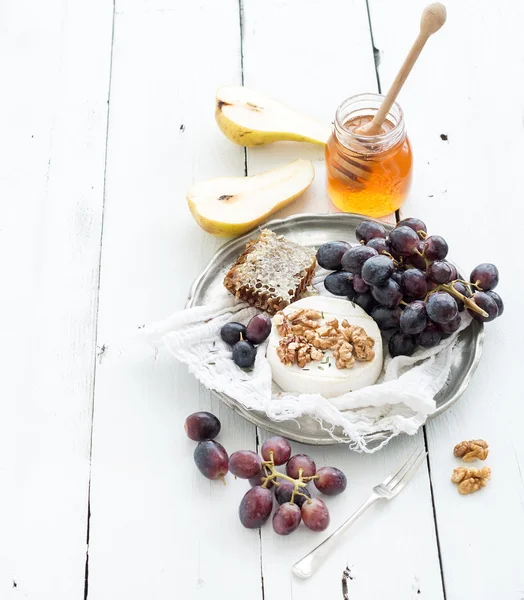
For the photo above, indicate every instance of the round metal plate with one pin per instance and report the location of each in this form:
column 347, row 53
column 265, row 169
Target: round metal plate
column 314, row 230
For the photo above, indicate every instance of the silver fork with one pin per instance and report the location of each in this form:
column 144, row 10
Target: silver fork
column 386, row 490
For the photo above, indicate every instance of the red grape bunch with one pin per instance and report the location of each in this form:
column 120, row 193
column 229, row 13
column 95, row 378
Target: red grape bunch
column 291, row 488
column 406, row 284
column 244, row 338
column 291, row 491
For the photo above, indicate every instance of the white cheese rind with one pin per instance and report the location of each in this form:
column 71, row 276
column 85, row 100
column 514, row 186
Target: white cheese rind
column 317, row 378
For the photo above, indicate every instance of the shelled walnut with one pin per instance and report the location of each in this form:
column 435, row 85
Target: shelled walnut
column 282, row 324
column 470, row 480
column 362, row 343
column 347, row 342
column 471, row 450
column 343, row 354
column 295, row 348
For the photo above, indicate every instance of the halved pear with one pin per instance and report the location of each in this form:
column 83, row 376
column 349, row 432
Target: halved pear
column 251, row 119
column 230, row 206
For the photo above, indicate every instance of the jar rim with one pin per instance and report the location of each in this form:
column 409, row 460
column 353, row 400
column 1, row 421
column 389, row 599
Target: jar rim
column 395, row 115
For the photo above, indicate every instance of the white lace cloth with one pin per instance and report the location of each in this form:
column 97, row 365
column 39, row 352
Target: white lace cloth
column 400, row 401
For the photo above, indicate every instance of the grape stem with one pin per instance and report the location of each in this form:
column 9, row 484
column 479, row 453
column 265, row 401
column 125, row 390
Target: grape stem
column 422, row 234
column 272, row 475
column 448, row 287
column 395, row 261
column 422, row 255
column 469, row 284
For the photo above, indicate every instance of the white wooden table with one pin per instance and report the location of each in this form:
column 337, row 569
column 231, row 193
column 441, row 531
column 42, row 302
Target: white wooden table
column 107, row 118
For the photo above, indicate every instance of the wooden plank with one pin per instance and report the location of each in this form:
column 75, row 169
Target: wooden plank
column 299, row 52
column 158, row 528
column 467, row 83
column 55, row 76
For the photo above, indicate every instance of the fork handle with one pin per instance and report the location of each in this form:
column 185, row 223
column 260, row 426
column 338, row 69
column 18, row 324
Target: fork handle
column 308, row 565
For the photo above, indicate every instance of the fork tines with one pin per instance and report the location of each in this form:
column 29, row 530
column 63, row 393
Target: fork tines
column 407, row 470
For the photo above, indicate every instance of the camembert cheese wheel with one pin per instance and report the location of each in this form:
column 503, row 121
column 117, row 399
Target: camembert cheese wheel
column 323, row 377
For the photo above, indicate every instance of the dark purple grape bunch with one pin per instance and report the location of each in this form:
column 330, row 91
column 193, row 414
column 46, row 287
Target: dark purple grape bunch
column 406, row 284
column 245, row 338
column 293, row 496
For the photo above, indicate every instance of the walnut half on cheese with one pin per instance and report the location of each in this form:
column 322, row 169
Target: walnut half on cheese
column 324, row 345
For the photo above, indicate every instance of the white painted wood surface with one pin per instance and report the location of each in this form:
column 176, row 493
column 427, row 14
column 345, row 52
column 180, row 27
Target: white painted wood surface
column 55, row 81
column 157, row 529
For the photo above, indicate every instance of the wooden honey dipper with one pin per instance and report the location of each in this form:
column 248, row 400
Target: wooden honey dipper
column 433, row 17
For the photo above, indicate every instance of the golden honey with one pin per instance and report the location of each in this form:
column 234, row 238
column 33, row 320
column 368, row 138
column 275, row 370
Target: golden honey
column 369, row 175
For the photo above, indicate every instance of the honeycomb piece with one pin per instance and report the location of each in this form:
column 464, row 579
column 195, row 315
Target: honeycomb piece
column 271, row 273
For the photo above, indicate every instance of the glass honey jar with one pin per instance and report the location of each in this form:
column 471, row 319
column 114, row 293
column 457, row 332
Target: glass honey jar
column 369, row 175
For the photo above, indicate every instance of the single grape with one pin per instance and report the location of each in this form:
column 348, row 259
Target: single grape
column 440, row 271
column 255, row 507
column 377, row 270
column 315, row 515
column 258, row 329
column 430, row 337
column 211, row 459
column 259, row 479
column 365, row 301
column 386, row 318
column 452, row 326
column 232, row 333
column 301, row 461
column 354, row 259
column 486, row 276
column 404, row 240
column 487, row 303
column 389, row 294
column 329, row 255
column 340, row 283
column 381, row 245
column 441, row 307
column 280, row 448
column 284, row 491
column 498, row 301
column 331, row 481
column 401, row 343
column 244, row 354
column 368, row 230
column 359, row 285
column 414, row 283
column 202, row 426
column 454, row 272
column 435, row 248
column 397, row 276
column 286, row 518
column 416, row 260
column 245, row 464
column 415, row 224
column 460, row 287
column 414, row 318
